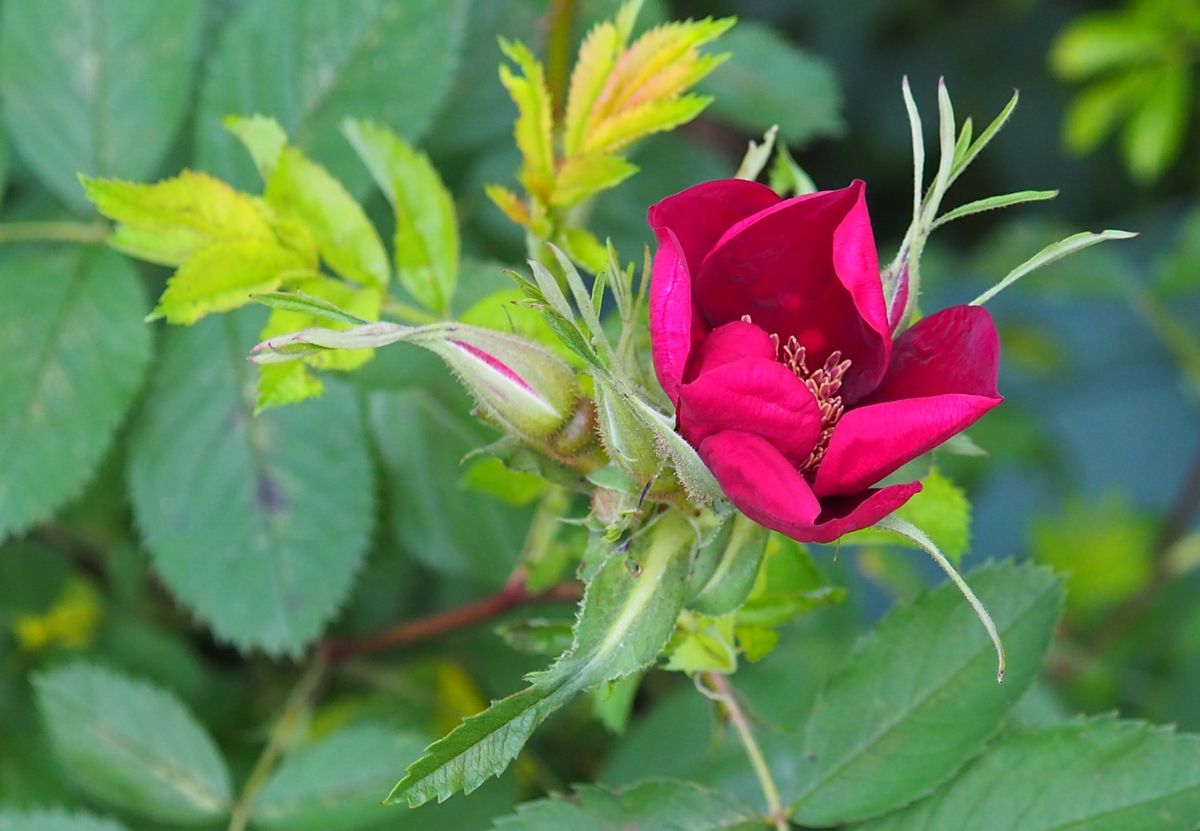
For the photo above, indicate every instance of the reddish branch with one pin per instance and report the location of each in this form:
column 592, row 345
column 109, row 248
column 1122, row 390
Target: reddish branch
column 514, row 595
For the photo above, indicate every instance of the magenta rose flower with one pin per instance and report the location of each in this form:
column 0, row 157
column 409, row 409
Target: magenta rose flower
column 771, row 337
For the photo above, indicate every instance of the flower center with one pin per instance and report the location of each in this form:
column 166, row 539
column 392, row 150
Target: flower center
column 823, row 382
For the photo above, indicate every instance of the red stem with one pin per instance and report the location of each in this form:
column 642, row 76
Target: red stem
column 512, row 596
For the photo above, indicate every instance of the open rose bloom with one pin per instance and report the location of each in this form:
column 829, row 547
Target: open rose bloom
column 771, row 337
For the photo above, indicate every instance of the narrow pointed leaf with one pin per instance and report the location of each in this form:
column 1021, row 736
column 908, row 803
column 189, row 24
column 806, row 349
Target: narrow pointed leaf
column 985, row 137
column 992, row 203
column 1050, row 254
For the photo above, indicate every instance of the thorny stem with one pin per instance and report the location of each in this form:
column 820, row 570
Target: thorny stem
column 292, row 716
column 512, row 596
column 723, row 693
column 85, row 233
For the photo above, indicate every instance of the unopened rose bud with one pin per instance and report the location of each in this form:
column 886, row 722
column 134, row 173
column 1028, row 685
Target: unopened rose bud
column 522, row 386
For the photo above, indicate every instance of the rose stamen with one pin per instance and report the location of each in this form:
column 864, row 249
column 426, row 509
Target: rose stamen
column 824, row 383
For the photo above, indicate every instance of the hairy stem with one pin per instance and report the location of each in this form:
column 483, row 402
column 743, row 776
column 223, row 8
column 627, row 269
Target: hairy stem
column 722, row 692
column 512, row 596
column 85, row 233
column 291, row 717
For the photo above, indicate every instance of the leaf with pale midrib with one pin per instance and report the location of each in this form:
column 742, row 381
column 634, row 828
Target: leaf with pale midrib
column 627, row 614
column 312, row 64
column 919, row 697
column 75, row 351
column 257, row 524
column 1096, row 775
column 133, row 745
column 96, row 86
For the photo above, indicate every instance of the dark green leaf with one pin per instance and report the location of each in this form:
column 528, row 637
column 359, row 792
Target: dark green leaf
column 625, row 618
column 54, row 820
column 647, row 806
column 919, row 697
column 311, row 65
column 1095, row 775
column 75, row 350
column 450, row 528
column 336, row 784
column 96, row 86
column 771, row 81
column 133, row 745
column 257, row 524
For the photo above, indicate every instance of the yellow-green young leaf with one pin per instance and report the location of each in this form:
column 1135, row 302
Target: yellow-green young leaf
column 583, row 176
column 534, row 120
column 169, row 221
column 301, row 189
column 582, row 246
column 509, row 204
column 658, row 68
column 223, row 276
column 1154, row 134
column 262, row 136
column 597, row 57
column 941, row 510
column 638, row 122
column 288, row 383
column 426, row 240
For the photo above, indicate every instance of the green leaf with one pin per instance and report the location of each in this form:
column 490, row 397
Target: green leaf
column 169, row 221
column 1050, row 254
column 941, row 510
column 786, row 177
column 769, row 80
column 1154, row 135
column 625, row 619
column 1094, row 111
column 582, row 177
column 54, row 820
column 1098, row 774
column 426, row 238
column 788, row 584
column 305, row 191
column 257, row 525
column 224, row 276
column 133, row 745
column 757, row 154
column 534, row 126
column 735, row 554
column 75, row 352
column 315, row 307
column 312, row 65
column 262, row 136
column 1093, row 43
column 335, row 784
column 654, row 805
column 447, row 527
column 926, row 670
column 99, row 86
column 992, row 203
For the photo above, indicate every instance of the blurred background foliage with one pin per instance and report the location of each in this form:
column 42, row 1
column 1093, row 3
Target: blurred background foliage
column 114, row 525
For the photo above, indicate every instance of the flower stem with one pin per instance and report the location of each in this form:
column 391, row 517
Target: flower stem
column 290, row 718
column 512, row 596
column 723, row 693
column 85, row 233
